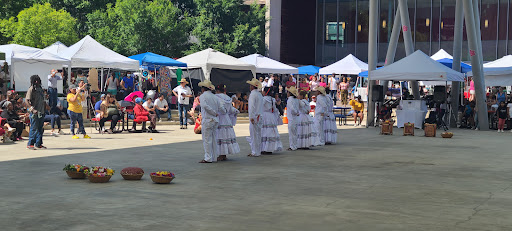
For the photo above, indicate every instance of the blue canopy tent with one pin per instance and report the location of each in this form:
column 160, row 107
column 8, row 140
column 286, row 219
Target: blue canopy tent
column 449, row 62
column 151, row 60
column 308, row 70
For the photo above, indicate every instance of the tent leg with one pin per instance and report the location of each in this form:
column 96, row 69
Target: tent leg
column 102, row 82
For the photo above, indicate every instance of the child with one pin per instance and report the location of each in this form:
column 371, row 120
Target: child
column 502, row 114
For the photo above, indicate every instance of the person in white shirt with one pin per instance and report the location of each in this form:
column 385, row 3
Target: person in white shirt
column 333, row 87
column 149, row 106
column 320, row 113
column 225, row 134
column 183, row 93
column 255, row 111
column 211, row 107
column 161, row 107
column 292, row 106
column 53, row 79
column 270, row 82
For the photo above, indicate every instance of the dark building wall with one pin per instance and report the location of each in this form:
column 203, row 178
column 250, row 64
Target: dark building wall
column 298, row 31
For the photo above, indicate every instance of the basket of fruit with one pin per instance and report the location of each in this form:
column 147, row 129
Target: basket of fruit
column 75, row 171
column 132, row 173
column 447, row 134
column 99, row 174
column 163, row 177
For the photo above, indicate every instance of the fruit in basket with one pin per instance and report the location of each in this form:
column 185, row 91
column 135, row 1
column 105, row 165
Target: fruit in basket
column 132, row 171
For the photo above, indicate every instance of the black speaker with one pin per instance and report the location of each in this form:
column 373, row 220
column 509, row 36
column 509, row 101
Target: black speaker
column 378, row 93
column 439, row 94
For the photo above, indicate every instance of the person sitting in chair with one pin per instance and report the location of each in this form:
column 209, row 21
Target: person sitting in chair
column 109, row 110
column 143, row 114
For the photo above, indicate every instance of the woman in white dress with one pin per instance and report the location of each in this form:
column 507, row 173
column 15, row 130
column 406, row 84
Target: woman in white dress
column 305, row 125
column 225, row 134
column 330, row 128
column 292, row 108
column 270, row 139
column 320, row 110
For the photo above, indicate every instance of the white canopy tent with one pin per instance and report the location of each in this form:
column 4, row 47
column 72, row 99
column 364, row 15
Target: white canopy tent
column 350, row 65
column 56, row 48
column 220, row 68
column 417, row 66
column 267, row 65
column 27, row 61
column 88, row 53
column 498, row 72
column 441, row 54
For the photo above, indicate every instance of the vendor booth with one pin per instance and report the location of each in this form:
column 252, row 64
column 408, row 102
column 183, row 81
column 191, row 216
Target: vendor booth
column 350, row 65
column 441, row 54
column 27, row 61
column 265, row 65
column 415, row 67
column 56, row 48
column 498, row 72
column 308, row 70
column 220, row 68
column 88, row 53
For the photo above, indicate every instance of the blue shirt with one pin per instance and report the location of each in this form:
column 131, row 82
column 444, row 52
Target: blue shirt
column 128, row 82
column 52, row 81
column 501, row 97
column 97, row 106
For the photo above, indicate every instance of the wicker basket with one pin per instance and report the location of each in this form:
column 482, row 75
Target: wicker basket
column 162, row 179
column 386, row 128
column 76, row 175
column 409, row 129
column 447, row 135
column 430, row 130
column 99, row 179
column 132, row 176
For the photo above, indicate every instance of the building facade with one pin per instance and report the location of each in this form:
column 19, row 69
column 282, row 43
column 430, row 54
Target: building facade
column 321, row 32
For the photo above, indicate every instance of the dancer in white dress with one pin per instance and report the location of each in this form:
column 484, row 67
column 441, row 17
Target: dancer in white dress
column 270, row 139
column 211, row 107
column 320, row 111
column 255, row 111
column 305, row 125
column 292, row 108
column 225, row 134
column 330, row 128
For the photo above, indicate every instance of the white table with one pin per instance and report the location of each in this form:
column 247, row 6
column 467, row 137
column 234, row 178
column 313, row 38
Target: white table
column 410, row 116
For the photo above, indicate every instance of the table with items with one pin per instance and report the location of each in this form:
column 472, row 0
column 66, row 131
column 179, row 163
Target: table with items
column 411, row 111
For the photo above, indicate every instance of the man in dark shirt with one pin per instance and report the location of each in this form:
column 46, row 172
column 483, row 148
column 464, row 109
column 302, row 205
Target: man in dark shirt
column 36, row 107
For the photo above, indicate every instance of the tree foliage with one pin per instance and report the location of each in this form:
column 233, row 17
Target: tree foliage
column 40, row 26
column 230, row 27
column 135, row 26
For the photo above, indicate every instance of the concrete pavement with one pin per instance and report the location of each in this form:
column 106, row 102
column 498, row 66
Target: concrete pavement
column 366, row 182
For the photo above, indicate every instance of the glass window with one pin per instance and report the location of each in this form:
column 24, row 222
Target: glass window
column 423, row 21
column 347, row 26
column 363, row 8
column 436, row 25
column 387, row 18
column 488, row 25
column 329, row 49
column 447, row 24
column 502, row 28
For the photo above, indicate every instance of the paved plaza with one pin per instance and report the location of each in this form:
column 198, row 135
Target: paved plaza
column 366, row 182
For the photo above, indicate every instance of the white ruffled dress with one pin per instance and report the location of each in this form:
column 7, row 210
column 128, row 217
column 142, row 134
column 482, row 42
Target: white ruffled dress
column 270, row 139
column 226, row 137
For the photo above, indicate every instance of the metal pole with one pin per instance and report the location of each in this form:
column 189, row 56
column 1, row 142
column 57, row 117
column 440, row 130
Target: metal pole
column 372, row 59
column 477, row 65
column 457, row 57
column 393, row 42
column 409, row 46
column 102, row 82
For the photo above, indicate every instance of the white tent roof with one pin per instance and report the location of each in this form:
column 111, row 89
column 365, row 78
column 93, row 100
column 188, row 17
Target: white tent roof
column 441, row 54
column 27, row 61
column 267, row 65
column 498, row 72
column 56, row 48
column 417, row 66
column 350, row 65
column 210, row 58
column 88, row 53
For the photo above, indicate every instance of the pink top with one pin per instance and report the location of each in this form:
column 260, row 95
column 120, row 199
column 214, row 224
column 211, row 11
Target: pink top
column 471, row 85
column 314, row 85
column 304, row 86
column 343, row 86
column 322, row 84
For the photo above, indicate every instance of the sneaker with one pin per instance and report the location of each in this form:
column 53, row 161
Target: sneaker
column 75, row 137
column 53, row 134
column 86, row 136
column 41, row 147
column 62, row 133
column 12, row 129
column 160, row 121
column 31, row 147
column 355, row 125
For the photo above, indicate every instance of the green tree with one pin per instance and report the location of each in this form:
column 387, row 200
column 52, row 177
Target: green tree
column 136, row 26
column 229, row 26
column 40, row 26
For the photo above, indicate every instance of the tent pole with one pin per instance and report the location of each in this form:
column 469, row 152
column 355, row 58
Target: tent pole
column 457, row 57
column 102, row 81
column 393, row 41
column 409, row 45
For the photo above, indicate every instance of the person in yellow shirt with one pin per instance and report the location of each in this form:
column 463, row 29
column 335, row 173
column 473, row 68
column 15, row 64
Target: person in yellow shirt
column 74, row 99
column 358, row 107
